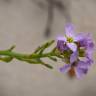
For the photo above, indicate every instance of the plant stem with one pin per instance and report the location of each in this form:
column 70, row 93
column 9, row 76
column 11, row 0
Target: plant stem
column 13, row 54
column 34, row 58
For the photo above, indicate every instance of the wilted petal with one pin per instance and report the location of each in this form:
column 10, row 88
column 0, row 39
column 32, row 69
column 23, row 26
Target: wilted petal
column 69, row 30
column 74, row 57
column 65, row 68
column 72, row 46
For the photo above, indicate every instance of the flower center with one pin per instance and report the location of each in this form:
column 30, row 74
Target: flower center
column 70, row 39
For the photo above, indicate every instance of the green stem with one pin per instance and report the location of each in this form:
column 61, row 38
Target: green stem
column 20, row 55
column 34, row 58
column 13, row 54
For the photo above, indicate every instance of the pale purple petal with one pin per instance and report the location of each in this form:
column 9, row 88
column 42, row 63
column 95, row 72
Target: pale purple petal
column 89, row 54
column 65, row 68
column 73, row 57
column 89, row 62
column 82, row 68
column 88, row 36
column 90, row 46
column 69, row 30
column 80, row 72
column 62, row 39
column 82, row 36
column 72, row 46
column 61, row 46
column 79, row 37
column 87, row 42
column 83, row 64
column 83, row 43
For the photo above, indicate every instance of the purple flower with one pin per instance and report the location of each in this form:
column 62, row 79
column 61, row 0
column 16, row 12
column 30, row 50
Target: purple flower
column 61, row 45
column 77, row 49
column 69, row 39
column 87, row 43
column 80, row 68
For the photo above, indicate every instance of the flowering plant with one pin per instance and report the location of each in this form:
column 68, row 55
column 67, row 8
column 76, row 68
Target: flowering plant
column 74, row 50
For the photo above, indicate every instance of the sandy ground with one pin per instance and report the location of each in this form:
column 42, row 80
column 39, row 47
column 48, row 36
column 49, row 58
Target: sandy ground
column 23, row 23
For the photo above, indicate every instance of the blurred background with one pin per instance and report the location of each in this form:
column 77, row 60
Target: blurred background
column 30, row 23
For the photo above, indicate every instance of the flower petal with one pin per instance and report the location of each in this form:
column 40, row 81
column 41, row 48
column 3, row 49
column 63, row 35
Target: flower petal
column 80, row 72
column 62, row 38
column 79, row 37
column 61, row 46
column 69, row 30
column 89, row 54
column 73, row 57
column 86, row 42
column 90, row 46
column 72, row 46
column 81, row 69
column 83, row 64
column 65, row 68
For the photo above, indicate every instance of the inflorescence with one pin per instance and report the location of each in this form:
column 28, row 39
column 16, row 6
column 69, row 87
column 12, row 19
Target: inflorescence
column 75, row 50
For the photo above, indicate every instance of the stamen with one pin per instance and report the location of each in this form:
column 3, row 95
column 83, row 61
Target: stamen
column 70, row 40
